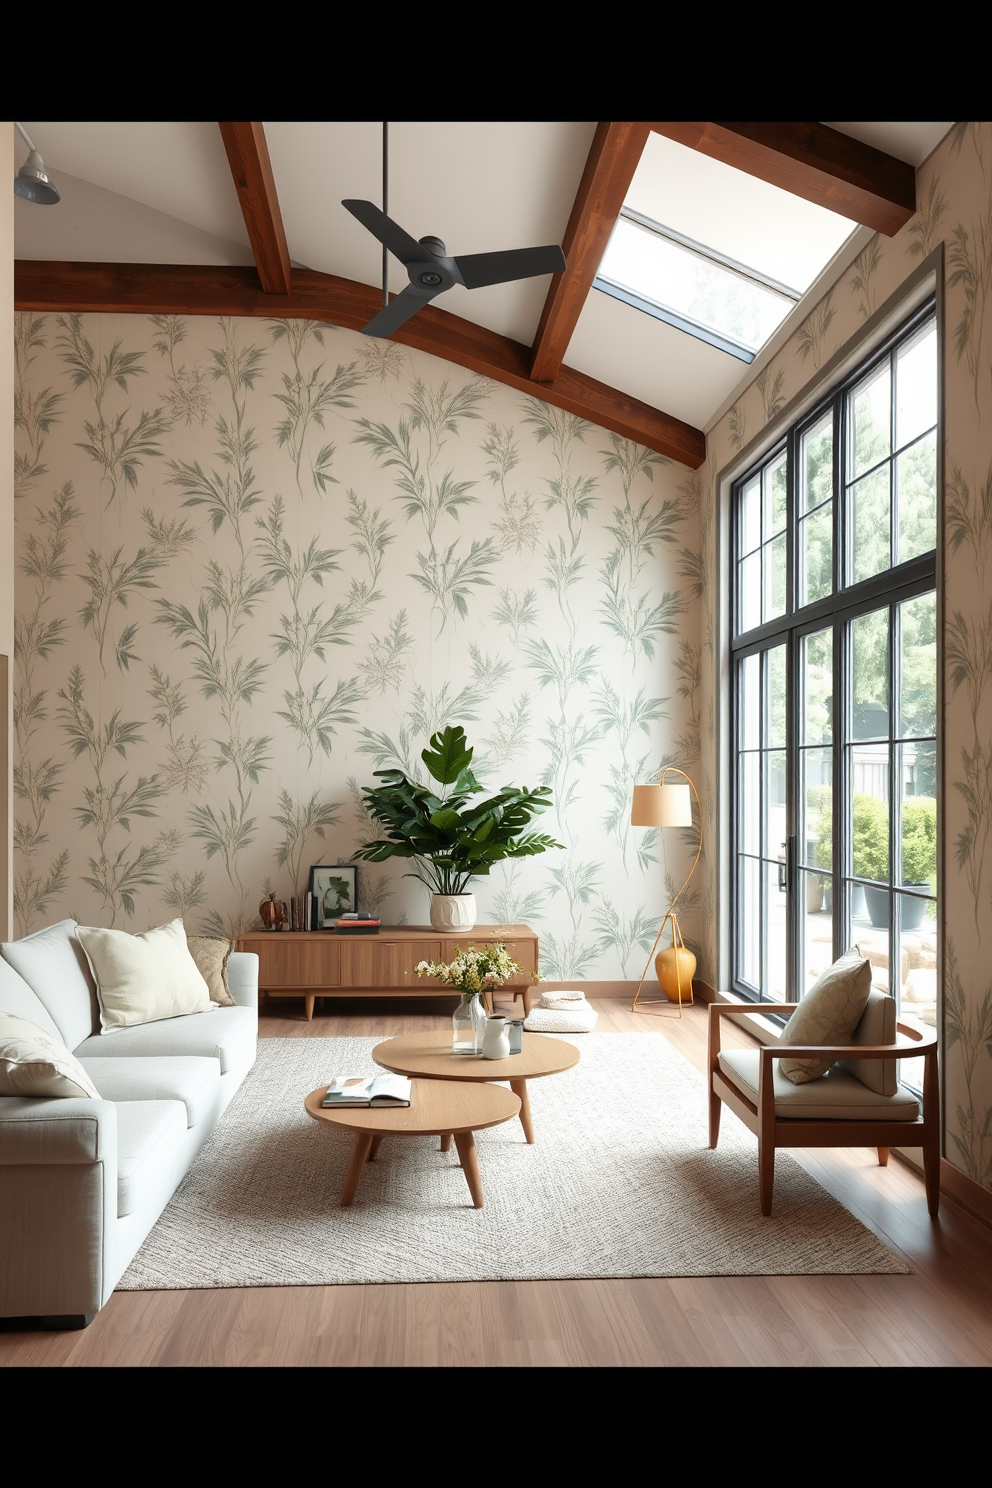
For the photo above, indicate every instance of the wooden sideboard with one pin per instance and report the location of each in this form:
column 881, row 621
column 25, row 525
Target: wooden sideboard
column 321, row 963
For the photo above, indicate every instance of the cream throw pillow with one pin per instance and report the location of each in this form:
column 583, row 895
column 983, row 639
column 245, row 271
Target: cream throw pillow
column 828, row 1014
column 211, row 956
column 33, row 1062
column 143, row 978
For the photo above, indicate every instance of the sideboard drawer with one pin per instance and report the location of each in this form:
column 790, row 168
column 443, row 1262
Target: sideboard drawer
column 374, row 962
column 298, row 961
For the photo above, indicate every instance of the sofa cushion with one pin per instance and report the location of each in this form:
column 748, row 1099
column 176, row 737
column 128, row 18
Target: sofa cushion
column 211, row 957
column 53, row 964
column 837, row 1096
column 150, row 1135
column 877, row 1026
column 828, row 1014
column 17, row 997
column 226, row 1034
column 35, row 1062
column 143, row 978
column 192, row 1080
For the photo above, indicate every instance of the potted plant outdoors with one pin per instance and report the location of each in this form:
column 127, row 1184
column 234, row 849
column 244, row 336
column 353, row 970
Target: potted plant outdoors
column 452, row 836
column 870, row 851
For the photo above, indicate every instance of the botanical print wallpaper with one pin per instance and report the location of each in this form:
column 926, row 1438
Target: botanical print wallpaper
column 259, row 560
column 954, row 195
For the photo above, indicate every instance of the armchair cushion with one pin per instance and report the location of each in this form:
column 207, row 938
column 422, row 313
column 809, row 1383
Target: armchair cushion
column 877, row 1026
column 828, row 1014
column 838, row 1096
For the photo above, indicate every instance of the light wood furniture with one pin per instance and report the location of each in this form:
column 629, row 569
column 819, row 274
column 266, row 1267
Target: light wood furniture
column 321, row 963
column 429, row 1057
column 776, row 1130
column 437, row 1108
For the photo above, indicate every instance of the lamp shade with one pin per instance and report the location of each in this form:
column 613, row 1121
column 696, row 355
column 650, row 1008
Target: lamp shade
column 661, row 806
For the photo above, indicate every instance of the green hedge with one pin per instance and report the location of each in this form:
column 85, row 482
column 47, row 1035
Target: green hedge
column 870, row 846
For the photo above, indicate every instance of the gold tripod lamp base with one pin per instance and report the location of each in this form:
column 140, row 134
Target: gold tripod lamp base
column 675, row 967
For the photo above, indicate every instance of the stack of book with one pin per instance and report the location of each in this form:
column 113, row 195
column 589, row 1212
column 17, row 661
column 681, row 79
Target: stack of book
column 368, row 1090
column 357, row 924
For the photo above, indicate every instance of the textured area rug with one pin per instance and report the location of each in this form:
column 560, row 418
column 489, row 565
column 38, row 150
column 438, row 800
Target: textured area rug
column 619, row 1183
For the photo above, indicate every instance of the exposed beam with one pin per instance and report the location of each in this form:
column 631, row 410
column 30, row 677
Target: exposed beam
column 820, row 164
column 248, row 156
column 612, row 160
column 194, row 289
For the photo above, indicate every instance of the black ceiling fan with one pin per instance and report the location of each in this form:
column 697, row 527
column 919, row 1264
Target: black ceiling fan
column 430, row 269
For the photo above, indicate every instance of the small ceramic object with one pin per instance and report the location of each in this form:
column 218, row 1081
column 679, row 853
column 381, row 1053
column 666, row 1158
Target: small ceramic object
column 272, row 913
column 496, row 1043
column 674, row 966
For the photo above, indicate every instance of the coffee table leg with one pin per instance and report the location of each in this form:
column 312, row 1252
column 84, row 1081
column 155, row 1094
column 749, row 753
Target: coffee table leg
column 519, row 1087
column 465, row 1145
column 446, row 1142
column 374, row 1149
column 359, row 1155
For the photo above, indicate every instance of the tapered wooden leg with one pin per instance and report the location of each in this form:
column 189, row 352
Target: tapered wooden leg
column 528, row 995
column 446, row 1142
column 716, row 1106
column 883, row 1157
column 465, row 1144
column 519, row 1087
column 359, row 1156
column 310, row 1002
column 374, row 1149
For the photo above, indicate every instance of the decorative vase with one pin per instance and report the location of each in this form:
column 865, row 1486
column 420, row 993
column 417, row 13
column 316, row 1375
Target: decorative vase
column 468, row 1025
column 496, row 1040
column 453, row 913
column 672, row 965
column 272, row 913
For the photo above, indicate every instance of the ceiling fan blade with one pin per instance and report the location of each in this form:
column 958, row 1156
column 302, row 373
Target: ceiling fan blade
column 479, row 269
column 399, row 310
column 389, row 233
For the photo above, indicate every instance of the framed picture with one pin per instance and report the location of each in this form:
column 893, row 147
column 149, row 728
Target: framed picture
column 335, row 892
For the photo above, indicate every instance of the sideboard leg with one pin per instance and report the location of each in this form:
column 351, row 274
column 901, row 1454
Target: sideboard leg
column 310, row 1002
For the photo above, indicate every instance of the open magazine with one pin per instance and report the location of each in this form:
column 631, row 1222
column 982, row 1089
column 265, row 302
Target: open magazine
column 368, row 1090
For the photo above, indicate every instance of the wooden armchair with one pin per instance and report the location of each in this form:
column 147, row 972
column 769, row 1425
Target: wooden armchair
column 836, row 1110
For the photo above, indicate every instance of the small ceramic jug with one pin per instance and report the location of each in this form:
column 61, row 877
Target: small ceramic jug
column 496, row 1043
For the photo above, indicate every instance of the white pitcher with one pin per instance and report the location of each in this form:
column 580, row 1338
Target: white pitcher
column 496, row 1043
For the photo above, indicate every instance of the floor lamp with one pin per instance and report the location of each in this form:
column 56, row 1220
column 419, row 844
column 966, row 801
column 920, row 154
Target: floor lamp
column 668, row 804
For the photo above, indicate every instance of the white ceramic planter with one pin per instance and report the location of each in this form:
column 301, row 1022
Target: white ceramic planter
column 453, row 913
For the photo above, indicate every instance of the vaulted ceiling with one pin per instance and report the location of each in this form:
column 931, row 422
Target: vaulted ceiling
column 246, row 219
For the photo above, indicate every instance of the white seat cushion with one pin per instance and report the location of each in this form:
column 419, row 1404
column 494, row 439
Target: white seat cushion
column 225, row 1034
column 150, row 1135
column 194, row 1081
column 836, row 1096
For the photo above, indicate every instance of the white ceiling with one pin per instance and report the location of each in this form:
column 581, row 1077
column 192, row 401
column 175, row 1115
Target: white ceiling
column 161, row 192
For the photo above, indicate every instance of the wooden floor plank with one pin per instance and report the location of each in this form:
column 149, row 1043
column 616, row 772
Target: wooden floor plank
column 940, row 1316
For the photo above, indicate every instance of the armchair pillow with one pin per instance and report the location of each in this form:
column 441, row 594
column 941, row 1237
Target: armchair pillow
column 828, row 1014
column 143, row 978
column 34, row 1062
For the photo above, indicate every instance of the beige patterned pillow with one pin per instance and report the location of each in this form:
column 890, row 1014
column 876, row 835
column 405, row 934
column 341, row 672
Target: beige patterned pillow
column 211, row 956
column 143, row 978
column 828, row 1014
column 33, row 1062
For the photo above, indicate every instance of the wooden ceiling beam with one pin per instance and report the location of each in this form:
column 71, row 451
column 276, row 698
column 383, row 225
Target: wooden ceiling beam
column 248, row 156
column 194, row 289
column 814, row 162
column 609, row 168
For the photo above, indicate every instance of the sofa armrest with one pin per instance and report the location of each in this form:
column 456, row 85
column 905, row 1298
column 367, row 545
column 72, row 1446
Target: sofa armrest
column 35, row 1131
column 242, row 977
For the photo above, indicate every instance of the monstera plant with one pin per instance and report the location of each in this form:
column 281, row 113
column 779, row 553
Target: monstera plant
column 454, row 833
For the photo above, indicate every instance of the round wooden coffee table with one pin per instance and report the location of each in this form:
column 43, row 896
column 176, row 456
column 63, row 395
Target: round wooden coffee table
column 428, row 1056
column 436, row 1109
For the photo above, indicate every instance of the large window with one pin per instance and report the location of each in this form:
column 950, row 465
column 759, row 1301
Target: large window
column 835, row 687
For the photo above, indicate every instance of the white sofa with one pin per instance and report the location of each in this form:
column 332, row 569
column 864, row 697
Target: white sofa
column 82, row 1181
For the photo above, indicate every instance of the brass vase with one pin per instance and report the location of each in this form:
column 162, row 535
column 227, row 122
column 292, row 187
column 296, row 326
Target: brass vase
column 673, row 965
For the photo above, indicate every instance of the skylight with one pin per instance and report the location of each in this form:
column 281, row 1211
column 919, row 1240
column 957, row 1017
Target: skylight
column 714, row 251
